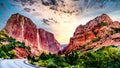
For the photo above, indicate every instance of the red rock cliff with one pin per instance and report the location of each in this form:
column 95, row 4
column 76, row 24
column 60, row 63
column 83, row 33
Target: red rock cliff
column 98, row 32
column 23, row 29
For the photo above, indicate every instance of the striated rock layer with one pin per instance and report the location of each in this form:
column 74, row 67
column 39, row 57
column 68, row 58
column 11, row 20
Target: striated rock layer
column 101, row 31
column 21, row 52
column 23, row 29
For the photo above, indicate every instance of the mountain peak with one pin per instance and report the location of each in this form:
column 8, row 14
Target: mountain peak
column 105, row 18
column 96, row 33
column 18, row 14
column 92, row 23
column 104, row 15
column 24, row 30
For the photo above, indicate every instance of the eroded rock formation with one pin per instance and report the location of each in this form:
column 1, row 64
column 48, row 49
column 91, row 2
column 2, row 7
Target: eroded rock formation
column 101, row 31
column 24, row 30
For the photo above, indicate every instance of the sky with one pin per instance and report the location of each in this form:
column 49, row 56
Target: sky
column 60, row 17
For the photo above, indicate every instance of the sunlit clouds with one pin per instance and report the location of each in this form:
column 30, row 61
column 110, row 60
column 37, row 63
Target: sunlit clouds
column 60, row 17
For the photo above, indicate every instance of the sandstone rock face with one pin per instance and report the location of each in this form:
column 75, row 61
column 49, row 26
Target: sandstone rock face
column 45, row 39
column 101, row 31
column 23, row 29
column 21, row 52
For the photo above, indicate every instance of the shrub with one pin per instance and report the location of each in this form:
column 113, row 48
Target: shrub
column 28, row 48
column 6, row 51
column 116, row 29
column 95, row 39
column 44, row 56
column 11, row 54
column 102, row 24
column 106, row 57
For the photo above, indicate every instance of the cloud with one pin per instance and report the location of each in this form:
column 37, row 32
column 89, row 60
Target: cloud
column 45, row 21
column 49, row 2
column 62, row 16
column 56, row 5
column 25, row 2
column 27, row 9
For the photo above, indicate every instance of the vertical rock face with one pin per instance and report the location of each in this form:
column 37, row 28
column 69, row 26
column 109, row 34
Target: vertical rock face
column 23, row 29
column 96, row 33
column 45, row 39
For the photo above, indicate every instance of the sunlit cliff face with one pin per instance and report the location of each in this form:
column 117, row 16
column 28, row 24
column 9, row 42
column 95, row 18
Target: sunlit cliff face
column 61, row 17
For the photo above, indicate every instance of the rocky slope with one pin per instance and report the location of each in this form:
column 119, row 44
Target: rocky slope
column 10, row 48
column 21, row 53
column 24, row 30
column 101, row 31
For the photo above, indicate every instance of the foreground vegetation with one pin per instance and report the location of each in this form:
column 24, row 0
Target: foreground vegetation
column 7, row 44
column 106, row 57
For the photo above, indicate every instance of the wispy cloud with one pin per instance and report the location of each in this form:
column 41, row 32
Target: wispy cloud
column 61, row 17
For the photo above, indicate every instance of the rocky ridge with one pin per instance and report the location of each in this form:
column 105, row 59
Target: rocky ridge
column 99, row 32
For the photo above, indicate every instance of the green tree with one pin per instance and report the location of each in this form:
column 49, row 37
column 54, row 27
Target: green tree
column 3, row 55
column 44, row 56
column 11, row 54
